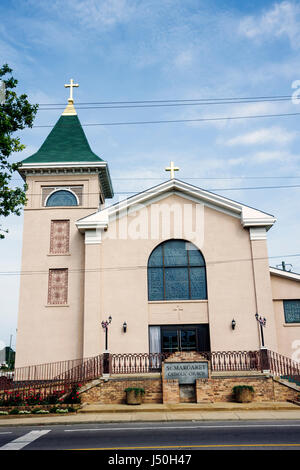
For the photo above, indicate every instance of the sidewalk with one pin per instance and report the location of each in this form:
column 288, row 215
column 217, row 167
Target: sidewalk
column 94, row 413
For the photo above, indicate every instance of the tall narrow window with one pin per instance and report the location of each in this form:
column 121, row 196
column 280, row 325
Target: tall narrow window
column 59, row 237
column 58, row 287
column 176, row 271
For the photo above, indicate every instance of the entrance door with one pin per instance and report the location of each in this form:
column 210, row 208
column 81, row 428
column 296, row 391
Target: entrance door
column 188, row 339
column 185, row 338
column 170, row 340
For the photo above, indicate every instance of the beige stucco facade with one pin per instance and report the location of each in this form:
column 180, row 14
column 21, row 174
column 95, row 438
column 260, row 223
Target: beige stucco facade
column 48, row 333
column 109, row 249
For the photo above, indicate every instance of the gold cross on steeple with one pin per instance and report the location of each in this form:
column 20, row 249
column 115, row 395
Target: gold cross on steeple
column 172, row 170
column 71, row 85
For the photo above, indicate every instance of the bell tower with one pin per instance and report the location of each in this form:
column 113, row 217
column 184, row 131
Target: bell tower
column 66, row 181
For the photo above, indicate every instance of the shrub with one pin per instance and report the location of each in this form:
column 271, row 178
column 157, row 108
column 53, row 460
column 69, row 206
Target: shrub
column 137, row 390
column 53, row 409
column 73, row 396
column 238, row 388
column 12, row 400
column 39, row 411
column 32, row 399
column 53, row 398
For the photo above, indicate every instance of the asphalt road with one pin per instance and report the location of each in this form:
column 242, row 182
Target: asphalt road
column 174, row 436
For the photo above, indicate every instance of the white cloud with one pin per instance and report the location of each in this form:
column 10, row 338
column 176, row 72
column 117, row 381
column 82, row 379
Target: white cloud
column 183, row 59
column 273, row 155
column 281, row 160
column 103, row 14
column 283, row 19
column 236, row 114
column 276, row 135
column 237, row 161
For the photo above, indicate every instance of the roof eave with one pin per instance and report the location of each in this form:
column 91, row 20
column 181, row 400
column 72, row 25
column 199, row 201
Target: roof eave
column 285, row 274
column 49, row 167
column 249, row 217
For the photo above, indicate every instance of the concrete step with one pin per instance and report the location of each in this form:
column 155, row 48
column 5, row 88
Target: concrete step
column 160, row 407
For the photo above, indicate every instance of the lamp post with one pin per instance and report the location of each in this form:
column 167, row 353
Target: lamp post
column 262, row 322
column 104, row 325
column 106, row 355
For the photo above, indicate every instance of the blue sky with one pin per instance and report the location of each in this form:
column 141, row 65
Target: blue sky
column 122, row 50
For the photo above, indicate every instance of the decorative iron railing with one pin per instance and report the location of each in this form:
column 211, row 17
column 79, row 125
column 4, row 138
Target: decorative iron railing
column 48, row 371
column 86, row 369
column 235, row 361
column 46, row 379
column 134, row 363
column 284, row 367
column 220, row 361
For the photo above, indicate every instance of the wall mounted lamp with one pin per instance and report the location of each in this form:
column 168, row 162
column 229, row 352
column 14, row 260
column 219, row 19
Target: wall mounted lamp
column 233, row 324
column 124, row 327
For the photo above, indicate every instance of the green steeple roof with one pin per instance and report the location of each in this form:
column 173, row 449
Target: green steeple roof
column 65, row 143
column 66, row 149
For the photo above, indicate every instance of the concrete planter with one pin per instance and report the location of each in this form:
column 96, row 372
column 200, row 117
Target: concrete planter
column 134, row 397
column 243, row 395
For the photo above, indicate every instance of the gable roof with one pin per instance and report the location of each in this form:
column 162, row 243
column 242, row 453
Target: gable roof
column 248, row 216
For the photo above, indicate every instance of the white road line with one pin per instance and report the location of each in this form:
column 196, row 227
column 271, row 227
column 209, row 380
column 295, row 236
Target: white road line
column 187, row 427
column 23, row 441
column 8, row 432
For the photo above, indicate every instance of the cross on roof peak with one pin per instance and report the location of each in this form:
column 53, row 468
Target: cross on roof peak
column 71, row 85
column 172, row 170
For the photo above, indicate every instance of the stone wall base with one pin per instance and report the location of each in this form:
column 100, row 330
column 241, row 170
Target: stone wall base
column 216, row 389
column 112, row 390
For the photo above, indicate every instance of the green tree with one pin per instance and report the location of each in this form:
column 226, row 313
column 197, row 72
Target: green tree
column 16, row 113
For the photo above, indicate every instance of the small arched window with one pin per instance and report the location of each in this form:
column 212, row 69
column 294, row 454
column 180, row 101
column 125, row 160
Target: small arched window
column 62, row 197
column 176, row 271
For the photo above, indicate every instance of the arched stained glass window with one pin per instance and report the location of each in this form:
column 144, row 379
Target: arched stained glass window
column 176, row 271
column 62, row 197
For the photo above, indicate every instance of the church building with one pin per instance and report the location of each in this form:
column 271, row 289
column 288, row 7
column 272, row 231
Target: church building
column 173, row 268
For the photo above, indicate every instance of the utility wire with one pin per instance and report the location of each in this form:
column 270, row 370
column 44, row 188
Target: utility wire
column 205, row 189
column 156, row 105
column 134, row 268
column 193, row 178
column 174, row 121
column 211, row 178
column 231, row 99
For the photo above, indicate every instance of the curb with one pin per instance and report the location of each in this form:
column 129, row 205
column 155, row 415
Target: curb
column 293, row 413
column 154, row 419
